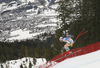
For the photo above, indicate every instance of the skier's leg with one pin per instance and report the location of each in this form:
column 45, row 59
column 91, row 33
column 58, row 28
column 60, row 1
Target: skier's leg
column 67, row 50
column 66, row 45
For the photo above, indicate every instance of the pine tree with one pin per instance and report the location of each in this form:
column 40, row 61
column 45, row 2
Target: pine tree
column 37, row 50
column 30, row 64
column 26, row 51
column 2, row 66
column 34, row 61
column 21, row 66
column 3, row 59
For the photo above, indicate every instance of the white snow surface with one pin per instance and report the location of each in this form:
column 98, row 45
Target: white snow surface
column 49, row 22
column 49, row 13
column 23, row 34
column 45, row 25
column 28, row 0
column 91, row 60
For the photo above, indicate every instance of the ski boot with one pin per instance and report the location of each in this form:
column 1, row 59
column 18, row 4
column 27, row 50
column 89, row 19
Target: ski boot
column 68, row 52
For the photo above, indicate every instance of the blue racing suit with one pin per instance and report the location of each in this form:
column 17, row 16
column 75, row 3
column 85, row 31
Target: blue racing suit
column 69, row 41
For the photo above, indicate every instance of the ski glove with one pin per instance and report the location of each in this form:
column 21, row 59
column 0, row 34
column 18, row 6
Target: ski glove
column 71, row 45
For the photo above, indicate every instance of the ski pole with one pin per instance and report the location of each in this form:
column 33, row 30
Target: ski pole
column 81, row 33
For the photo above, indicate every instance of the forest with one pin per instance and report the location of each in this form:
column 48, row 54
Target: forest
column 28, row 48
column 78, row 15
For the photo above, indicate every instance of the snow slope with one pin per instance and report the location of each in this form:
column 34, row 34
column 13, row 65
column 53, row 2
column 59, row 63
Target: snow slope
column 22, row 34
column 24, row 21
column 91, row 60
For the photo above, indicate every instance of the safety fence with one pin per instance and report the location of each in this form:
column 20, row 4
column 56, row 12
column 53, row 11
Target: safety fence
column 81, row 51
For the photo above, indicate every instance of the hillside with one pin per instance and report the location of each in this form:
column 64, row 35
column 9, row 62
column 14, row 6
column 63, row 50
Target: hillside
column 30, row 16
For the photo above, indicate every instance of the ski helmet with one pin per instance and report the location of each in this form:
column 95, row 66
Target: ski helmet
column 61, row 38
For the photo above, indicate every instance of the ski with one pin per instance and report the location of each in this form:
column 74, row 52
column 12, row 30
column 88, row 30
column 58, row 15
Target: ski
column 68, row 55
column 73, row 52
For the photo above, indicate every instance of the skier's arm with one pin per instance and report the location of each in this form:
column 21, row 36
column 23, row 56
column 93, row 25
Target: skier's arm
column 71, row 45
column 71, row 42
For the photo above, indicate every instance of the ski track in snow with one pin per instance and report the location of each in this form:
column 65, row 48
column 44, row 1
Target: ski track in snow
column 91, row 60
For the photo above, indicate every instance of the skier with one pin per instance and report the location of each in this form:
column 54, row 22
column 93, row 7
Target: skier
column 69, row 42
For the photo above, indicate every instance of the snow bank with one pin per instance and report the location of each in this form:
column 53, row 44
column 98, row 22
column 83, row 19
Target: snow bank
column 91, row 60
column 24, row 62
